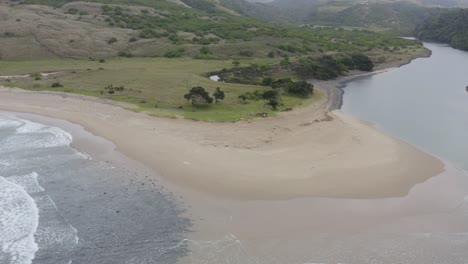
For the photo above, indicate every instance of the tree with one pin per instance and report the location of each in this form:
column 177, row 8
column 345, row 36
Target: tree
column 218, row 95
column 272, row 98
column 198, row 95
column 282, row 83
column 267, row 81
column 243, row 98
column 362, row 62
column 205, row 51
column 301, row 88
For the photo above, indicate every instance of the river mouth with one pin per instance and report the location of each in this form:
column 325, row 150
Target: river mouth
column 423, row 103
column 429, row 224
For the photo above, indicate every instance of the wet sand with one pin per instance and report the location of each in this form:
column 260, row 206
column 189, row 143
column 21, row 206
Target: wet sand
column 120, row 211
column 429, row 225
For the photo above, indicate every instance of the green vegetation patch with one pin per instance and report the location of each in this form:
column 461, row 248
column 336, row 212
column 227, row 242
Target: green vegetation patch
column 155, row 85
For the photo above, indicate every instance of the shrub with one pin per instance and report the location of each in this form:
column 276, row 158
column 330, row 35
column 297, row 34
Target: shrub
column 36, row 76
column 301, row 88
column 246, row 53
column 56, row 85
column 111, row 41
column 362, row 62
column 8, row 34
column 124, row 54
column 205, row 50
column 174, row 53
column 72, row 11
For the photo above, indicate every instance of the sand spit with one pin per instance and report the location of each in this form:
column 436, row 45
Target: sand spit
column 307, row 152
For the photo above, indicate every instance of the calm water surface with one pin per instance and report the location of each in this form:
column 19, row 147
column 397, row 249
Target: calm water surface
column 424, row 103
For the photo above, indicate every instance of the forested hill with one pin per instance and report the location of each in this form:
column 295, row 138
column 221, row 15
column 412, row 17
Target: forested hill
column 399, row 16
column 450, row 28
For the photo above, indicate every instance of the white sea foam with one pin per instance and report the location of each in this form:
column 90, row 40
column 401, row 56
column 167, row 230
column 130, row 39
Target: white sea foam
column 20, row 230
column 30, row 135
column 19, row 218
column 83, row 155
column 56, row 232
column 9, row 123
column 28, row 182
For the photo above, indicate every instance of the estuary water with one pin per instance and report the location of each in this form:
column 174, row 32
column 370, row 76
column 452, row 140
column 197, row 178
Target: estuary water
column 425, row 103
column 58, row 205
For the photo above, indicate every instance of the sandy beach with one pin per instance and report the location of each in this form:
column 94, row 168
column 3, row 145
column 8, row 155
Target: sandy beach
column 307, row 186
column 306, row 152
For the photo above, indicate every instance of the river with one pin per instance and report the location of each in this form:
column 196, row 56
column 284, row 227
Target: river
column 424, row 103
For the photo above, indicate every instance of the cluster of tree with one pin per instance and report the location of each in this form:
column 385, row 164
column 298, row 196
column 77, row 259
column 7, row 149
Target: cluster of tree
column 323, row 68
column 398, row 16
column 328, row 67
column 211, row 28
column 298, row 88
column 272, row 97
column 111, row 89
column 450, row 28
column 171, row 22
column 175, row 53
column 243, row 75
column 198, row 95
column 204, row 5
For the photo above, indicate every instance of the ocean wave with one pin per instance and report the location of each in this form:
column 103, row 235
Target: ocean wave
column 30, row 135
column 28, row 182
column 19, row 219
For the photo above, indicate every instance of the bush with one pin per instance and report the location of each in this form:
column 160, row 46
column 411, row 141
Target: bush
column 174, row 53
column 72, row 11
column 8, row 34
column 56, row 85
column 284, row 83
column 36, row 76
column 301, row 88
column 205, row 50
column 268, row 81
column 246, row 53
column 124, row 54
column 111, row 41
column 362, row 62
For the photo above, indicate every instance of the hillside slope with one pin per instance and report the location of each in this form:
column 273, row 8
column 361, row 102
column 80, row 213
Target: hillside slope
column 396, row 15
column 450, row 28
column 51, row 29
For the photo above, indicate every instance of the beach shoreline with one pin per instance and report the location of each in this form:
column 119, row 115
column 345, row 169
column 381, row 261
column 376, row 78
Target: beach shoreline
column 313, row 185
column 311, row 151
column 335, row 88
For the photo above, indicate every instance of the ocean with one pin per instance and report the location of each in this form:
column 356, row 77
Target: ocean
column 58, row 205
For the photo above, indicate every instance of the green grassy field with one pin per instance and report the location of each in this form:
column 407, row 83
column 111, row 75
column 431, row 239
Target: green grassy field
column 154, row 85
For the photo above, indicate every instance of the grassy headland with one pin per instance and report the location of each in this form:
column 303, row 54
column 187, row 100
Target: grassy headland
column 158, row 50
